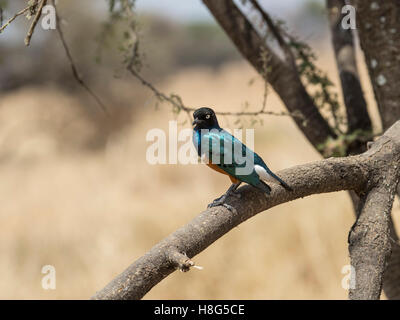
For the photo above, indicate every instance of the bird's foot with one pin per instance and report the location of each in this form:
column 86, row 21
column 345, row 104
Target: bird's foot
column 222, row 198
column 237, row 195
column 217, row 203
column 221, row 201
column 218, row 200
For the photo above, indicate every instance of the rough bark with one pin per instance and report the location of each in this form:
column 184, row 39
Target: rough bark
column 370, row 251
column 378, row 26
column 374, row 173
column 370, row 243
column 391, row 280
column 343, row 45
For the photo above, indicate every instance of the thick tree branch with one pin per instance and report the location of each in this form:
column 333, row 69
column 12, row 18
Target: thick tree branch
column 391, row 278
column 343, row 45
column 360, row 173
column 370, row 241
column 318, row 177
column 282, row 77
column 370, row 251
column 378, row 27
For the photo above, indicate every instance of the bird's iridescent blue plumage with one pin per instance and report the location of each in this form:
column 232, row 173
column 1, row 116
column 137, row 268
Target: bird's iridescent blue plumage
column 229, row 154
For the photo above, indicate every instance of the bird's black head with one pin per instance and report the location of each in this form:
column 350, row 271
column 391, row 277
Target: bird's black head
column 205, row 118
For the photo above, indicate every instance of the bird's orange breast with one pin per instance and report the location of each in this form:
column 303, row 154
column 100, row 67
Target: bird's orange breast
column 218, row 169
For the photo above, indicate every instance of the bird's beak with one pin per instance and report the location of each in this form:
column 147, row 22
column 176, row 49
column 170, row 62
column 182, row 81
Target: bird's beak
column 196, row 121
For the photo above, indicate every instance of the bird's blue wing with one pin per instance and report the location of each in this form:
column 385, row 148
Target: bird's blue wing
column 228, row 153
column 234, row 157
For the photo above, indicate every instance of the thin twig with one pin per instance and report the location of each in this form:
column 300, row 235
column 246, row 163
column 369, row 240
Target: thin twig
column 34, row 22
column 74, row 68
column 177, row 101
column 13, row 18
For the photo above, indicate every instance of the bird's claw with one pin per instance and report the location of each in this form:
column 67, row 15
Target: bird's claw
column 215, row 203
column 222, row 198
column 229, row 207
column 220, row 202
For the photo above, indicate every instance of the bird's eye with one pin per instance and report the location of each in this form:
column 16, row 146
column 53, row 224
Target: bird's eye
column 208, row 116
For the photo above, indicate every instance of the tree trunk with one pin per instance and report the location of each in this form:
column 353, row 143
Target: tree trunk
column 378, row 26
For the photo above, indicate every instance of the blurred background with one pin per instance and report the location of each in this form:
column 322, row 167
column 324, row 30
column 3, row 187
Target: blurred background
column 77, row 193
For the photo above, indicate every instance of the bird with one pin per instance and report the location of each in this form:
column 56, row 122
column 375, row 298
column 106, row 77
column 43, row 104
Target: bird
column 226, row 154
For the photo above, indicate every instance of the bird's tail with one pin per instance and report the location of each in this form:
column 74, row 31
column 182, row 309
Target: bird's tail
column 283, row 183
column 263, row 187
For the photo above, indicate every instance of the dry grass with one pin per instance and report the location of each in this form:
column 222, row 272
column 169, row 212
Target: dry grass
column 90, row 214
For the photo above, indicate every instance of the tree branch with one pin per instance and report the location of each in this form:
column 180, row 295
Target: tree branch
column 370, row 240
column 359, row 173
column 391, row 278
column 378, row 27
column 34, row 22
column 343, row 45
column 9, row 21
column 74, row 68
column 178, row 104
column 370, row 251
